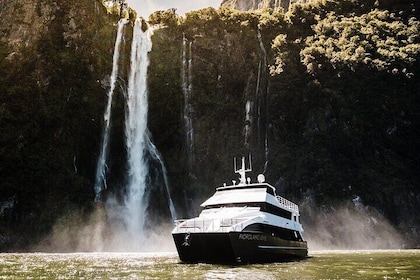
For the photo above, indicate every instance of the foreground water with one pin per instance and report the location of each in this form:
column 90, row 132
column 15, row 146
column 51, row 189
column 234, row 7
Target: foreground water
column 393, row 264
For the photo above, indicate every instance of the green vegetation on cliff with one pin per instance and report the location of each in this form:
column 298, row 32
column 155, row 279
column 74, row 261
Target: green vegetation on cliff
column 332, row 88
column 335, row 104
column 51, row 100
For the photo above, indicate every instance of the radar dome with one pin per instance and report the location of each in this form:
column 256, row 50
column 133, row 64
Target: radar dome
column 261, row 178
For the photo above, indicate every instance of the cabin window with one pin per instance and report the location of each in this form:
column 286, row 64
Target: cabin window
column 269, row 208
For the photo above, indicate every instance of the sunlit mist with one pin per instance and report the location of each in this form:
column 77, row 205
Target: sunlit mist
column 348, row 227
column 80, row 232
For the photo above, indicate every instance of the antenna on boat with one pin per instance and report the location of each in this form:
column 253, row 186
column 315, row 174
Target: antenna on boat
column 243, row 170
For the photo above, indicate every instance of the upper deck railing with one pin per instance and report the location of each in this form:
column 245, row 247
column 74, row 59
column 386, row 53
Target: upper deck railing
column 287, row 203
column 246, row 182
column 209, row 225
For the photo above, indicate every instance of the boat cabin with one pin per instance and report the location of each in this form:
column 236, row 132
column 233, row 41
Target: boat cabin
column 260, row 195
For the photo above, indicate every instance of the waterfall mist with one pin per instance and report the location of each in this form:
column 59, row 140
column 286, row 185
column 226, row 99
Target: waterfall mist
column 350, row 226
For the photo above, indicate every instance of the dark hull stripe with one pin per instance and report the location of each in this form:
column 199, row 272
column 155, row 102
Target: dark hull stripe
column 282, row 247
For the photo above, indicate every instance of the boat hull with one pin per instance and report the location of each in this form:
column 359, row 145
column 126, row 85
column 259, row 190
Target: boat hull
column 237, row 247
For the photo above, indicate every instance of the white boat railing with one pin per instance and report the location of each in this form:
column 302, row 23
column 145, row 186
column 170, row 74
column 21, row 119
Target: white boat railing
column 287, row 203
column 204, row 225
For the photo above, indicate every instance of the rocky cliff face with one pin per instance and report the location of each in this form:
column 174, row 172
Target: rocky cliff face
column 289, row 121
column 24, row 22
column 323, row 126
column 53, row 57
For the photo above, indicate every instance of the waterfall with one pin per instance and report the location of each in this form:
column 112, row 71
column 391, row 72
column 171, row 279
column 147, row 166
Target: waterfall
column 154, row 152
column 261, row 97
column 248, row 123
column 100, row 179
column 127, row 211
column 139, row 145
column 188, row 108
column 136, row 129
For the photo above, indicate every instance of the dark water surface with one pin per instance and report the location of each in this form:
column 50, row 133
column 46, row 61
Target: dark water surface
column 388, row 264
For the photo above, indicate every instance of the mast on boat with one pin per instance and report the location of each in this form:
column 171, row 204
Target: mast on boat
column 243, row 170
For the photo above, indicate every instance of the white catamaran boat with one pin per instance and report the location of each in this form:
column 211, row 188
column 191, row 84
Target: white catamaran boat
column 242, row 223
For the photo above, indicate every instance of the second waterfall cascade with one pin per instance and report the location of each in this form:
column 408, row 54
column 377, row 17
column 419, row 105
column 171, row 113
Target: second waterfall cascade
column 187, row 86
column 145, row 167
column 100, row 179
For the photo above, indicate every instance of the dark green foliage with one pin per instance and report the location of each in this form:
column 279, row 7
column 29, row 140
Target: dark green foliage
column 341, row 100
column 334, row 87
column 356, row 95
column 51, row 106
